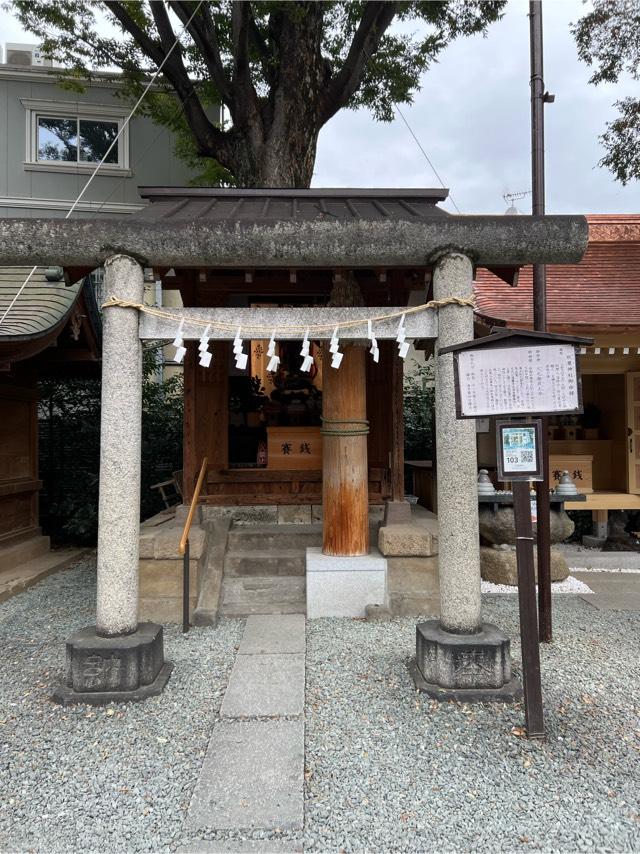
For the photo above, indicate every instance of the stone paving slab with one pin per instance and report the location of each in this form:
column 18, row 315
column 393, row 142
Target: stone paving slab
column 596, row 559
column 278, row 633
column 612, row 591
column 252, row 777
column 265, row 686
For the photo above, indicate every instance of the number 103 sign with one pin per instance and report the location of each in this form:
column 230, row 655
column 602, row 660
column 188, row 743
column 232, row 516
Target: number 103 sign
column 519, row 445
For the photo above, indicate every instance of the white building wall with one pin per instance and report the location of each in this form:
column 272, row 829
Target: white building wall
column 48, row 189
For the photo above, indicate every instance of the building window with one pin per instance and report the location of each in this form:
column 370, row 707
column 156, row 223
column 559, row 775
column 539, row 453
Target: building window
column 73, row 137
column 76, row 140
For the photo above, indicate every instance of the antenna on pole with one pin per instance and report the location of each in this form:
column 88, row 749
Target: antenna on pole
column 511, row 198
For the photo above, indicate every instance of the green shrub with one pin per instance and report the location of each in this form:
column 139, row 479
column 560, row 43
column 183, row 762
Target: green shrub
column 69, row 430
column 419, row 412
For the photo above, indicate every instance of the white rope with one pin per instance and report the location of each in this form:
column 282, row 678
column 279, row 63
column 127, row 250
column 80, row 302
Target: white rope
column 108, row 151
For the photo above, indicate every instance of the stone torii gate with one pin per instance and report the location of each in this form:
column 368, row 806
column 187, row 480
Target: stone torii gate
column 119, row 658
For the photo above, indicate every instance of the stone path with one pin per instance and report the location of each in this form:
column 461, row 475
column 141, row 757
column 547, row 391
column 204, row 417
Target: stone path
column 252, row 777
column 612, row 591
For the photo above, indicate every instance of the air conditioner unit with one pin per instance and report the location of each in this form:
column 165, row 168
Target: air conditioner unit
column 26, row 55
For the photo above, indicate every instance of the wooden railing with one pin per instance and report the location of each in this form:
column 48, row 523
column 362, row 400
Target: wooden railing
column 184, row 546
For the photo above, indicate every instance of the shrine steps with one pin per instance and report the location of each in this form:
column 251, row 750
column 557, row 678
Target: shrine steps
column 257, row 562
column 245, row 537
column 264, row 569
column 26, row 561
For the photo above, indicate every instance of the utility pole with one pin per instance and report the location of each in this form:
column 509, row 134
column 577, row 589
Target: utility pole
column 538, row 99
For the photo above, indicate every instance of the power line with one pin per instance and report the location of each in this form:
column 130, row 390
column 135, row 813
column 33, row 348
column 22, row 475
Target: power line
column 425, row 155
column 141, row 157
column 108, row 151
column 418, row 143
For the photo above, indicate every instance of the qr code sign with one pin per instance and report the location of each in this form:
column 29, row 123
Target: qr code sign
column 527, row 456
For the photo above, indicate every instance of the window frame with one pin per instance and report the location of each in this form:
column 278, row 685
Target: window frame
column 36, row 109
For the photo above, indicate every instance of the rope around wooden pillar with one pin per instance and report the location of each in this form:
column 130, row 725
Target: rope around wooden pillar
column 363, row 430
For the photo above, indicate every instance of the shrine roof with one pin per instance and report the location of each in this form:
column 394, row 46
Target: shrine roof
column 42, row 305
column 602, row 290
column 262, row 206
column 46, row 308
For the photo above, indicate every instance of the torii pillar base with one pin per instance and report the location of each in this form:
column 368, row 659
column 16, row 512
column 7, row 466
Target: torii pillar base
column 467, row 668
column 117, row 669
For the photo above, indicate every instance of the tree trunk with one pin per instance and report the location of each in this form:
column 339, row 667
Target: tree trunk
column 285, row 160
column 276, row 147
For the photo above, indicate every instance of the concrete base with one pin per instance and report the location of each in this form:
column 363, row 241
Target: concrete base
column 67, row 696
column 344, row 586
column 476, row 667
column 114, row 669
column 509, row 693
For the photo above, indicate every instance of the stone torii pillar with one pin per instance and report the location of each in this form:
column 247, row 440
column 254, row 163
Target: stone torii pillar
column 118, row 658
column 459, row 656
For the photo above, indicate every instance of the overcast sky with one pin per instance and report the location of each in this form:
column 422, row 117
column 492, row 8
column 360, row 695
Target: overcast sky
column 472, row 116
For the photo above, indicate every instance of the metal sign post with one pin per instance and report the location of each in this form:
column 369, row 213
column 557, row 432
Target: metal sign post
column 517, row 374
column 519, row 445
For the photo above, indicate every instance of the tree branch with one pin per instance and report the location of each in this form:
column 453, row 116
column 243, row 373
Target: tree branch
column 263, row 49
column 203, row 32
column 375, row 20
column 245, row 96
column 148, row 45
column 211, row 141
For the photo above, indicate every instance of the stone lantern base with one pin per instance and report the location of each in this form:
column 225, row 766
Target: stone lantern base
column 115, row 669
column 467, row 668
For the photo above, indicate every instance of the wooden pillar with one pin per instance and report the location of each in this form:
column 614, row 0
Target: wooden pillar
column 345, row 500
column 189, row 452
column 206, row 413
column 397, row 429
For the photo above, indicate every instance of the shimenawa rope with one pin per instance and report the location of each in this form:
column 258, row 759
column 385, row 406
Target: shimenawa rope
column 261, row 331
column 342, row 431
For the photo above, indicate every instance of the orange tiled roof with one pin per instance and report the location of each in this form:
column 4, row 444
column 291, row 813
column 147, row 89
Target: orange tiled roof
column 602, row 290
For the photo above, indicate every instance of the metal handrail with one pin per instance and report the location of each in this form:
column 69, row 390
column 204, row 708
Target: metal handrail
column 184, row 546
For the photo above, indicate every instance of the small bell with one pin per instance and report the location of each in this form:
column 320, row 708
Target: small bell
column 485, row 487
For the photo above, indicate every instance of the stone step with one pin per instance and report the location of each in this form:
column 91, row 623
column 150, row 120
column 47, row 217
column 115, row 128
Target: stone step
column 23, row 551
column 246, row 537
column 25, row 575
column 266, row 594
column 260, row 562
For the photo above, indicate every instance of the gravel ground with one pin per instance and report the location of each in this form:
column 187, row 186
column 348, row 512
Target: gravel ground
column 87, row 779
column 390, row 770
column 387, row 769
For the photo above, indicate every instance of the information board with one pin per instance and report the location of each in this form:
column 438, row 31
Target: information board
column 529, row 380
column 519, row 444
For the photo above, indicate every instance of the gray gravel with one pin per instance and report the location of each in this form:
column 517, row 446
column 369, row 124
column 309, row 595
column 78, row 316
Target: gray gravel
column 387, row 769
column 390, row 770
column 112, row 779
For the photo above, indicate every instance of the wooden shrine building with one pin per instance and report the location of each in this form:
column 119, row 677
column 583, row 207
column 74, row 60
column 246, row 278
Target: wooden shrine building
column 261, row 430
column 599, row 297
column 50, row 328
